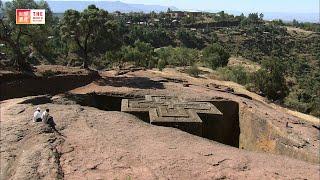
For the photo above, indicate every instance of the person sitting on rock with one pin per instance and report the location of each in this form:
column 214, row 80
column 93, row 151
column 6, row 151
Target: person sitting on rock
column 37, row 115
column 45, row 116
column 47, row 119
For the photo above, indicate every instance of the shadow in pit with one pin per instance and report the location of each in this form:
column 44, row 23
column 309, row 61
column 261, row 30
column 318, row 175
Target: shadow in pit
column 104, row 102
column 37, row 100
column 224, row 129
column 20, row 86
column 131, row 82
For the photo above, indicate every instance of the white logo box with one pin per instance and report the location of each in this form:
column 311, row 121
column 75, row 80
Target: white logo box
column 38, row 16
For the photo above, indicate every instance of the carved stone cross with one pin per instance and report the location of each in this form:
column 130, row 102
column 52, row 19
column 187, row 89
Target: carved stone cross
column 169, row 109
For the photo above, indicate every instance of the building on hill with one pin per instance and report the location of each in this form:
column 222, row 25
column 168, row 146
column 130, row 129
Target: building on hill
column 117, row 13
column 193, row 14
column 180, row 14
column 177, row 14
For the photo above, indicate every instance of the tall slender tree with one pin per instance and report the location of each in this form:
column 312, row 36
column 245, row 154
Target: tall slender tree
column 84, row 29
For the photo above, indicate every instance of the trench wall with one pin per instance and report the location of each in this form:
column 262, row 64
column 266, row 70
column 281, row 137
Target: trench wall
column 258, row 134
column 21, row 86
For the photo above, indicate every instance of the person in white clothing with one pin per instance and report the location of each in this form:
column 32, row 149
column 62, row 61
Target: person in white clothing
column 45, row 116
column 37, row 115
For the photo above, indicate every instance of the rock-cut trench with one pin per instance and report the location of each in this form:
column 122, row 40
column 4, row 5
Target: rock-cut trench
column 224, row 129
column 237, row 127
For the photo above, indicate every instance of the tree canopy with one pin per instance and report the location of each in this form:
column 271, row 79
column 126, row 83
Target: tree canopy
column 86, row 29
column 22, row 39
column 215, row 56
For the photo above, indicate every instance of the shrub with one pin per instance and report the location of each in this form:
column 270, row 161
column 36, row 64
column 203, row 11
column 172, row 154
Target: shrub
column 153, row 62
column 161, row 64
column 251, row 87
column 270, row 79
column 98, row 63
column 305, row 95
column 183, row 56
column 294, row 100
column 112, row 57
column 236, row 74
column 193, row 71
column 215, row 56
column 189, row 39
column 141, row 53
column 315, row 107
column 178, row 56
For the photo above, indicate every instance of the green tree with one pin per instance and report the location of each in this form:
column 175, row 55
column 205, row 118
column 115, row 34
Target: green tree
column 113, row 57
column 21, row 39
column 295, row 23
column 270, row 79
column 261, row 16
column 179, row 56
column 157, row 37
column 164, row 53
column 222, row 16
column 278, row 22
column 215, row 56
column 236, row 74
column 304, row 95
column 85, row 29
column 140, row 53
column 182, row 56
column 253, row 19
column 189, row 39
column 161, row 64
column 241, row 17
column 214, row 37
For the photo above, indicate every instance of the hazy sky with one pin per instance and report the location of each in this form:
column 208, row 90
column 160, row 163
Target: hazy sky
column 292, row 6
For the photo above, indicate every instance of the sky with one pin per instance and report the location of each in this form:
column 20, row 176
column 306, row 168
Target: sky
column 291, row 6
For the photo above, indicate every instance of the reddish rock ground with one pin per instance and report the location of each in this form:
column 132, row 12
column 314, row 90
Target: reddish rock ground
column 113, row 145
column 96, row 144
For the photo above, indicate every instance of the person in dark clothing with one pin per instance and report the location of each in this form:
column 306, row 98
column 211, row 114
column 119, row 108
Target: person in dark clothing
column 47, row 119
column 51, row 123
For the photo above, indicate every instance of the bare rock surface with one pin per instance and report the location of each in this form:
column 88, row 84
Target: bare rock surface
column 274, row 142
column 98, row 144
column 264, row 127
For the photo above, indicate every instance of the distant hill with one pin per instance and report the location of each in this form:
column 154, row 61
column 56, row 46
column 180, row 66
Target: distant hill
column 285, row 16
column 111, row 6
column 301, row 17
